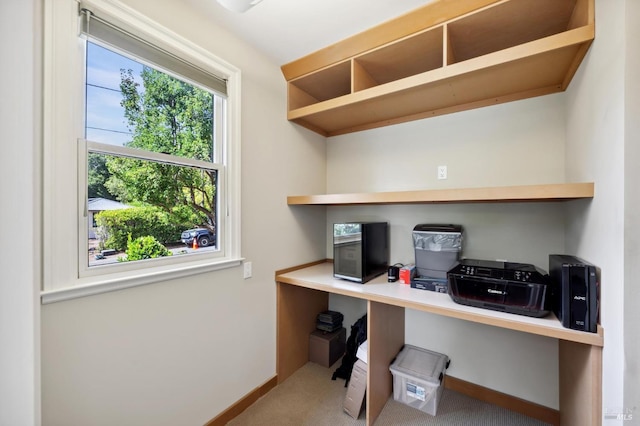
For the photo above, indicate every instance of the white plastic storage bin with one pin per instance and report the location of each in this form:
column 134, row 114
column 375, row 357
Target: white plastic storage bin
column 417, row 378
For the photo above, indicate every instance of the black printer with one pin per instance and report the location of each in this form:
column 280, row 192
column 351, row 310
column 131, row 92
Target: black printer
column 518, row 288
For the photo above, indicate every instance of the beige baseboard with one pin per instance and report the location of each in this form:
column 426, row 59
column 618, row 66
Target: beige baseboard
column 232, row 412
column 531, row 409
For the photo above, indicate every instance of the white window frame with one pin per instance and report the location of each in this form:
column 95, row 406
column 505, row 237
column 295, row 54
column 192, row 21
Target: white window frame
column 64, row 164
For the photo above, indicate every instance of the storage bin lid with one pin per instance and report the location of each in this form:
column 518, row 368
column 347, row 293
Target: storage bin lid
column 420, row 363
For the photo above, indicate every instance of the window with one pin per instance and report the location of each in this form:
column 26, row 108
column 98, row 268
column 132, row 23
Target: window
column 133, row 112
column 154, row 130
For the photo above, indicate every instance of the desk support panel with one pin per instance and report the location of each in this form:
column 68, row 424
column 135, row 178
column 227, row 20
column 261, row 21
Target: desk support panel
column 297, row 310
column 580, row 384
column 385, row 329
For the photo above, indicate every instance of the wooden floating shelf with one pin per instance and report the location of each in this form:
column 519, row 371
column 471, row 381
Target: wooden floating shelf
column 499, row 194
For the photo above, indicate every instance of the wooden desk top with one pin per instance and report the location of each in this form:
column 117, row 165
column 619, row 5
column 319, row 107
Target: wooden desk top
column 320, row 277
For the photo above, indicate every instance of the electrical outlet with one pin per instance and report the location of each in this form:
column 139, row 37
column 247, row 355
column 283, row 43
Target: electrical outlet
column 442, row 172
column 247, row 270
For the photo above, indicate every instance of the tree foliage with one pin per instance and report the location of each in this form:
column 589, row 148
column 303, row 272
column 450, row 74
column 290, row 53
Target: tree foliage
column 98, row 176
column 166, row 116
column 169, row 115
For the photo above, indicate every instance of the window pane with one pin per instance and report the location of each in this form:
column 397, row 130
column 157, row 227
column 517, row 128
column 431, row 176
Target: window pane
column 139, row 209
column 142, row 208
column 131, row 104
column 105, row 117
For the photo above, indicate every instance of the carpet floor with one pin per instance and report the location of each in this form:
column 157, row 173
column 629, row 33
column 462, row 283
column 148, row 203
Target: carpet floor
column 310, row 398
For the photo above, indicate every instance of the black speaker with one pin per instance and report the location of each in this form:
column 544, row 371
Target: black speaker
column 575, row 292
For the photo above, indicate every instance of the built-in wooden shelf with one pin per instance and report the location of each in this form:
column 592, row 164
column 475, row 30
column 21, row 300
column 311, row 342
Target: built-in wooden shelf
column 444, row 57
column 504, row 194
column 304, row 292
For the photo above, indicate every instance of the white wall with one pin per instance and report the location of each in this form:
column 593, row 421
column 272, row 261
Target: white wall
column 632, row 208
column 595, row 151
column 20, row 23
column 517, row 143
column 182, row 351
column 511, row 144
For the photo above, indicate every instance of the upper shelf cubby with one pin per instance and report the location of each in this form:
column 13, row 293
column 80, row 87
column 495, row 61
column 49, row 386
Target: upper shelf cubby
column 411, row 56
column 444, row 57
column 328, row 83
column 510, row 24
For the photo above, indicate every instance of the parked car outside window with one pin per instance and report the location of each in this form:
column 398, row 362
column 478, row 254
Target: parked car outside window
column 203, row 236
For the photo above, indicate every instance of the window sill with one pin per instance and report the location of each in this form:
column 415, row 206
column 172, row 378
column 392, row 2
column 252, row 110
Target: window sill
column 144, row 278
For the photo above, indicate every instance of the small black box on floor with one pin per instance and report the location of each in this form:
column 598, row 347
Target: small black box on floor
column 326, row 348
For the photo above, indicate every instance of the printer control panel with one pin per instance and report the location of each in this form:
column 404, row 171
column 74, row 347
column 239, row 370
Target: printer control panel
column 498, row 270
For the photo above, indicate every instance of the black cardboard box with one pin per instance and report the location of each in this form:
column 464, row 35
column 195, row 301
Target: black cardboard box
column 439, row 285
column 326, row 348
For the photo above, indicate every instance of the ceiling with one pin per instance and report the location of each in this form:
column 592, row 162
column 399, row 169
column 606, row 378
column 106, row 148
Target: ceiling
column 286, row 30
